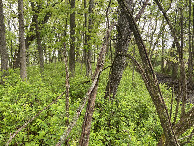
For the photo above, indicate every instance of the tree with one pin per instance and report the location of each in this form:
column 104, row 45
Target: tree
column 23, row 72
column 119, row 62
column 72, row 39
column 190, row 65
column 38, row 37
column 3, row 49
column 150, row 80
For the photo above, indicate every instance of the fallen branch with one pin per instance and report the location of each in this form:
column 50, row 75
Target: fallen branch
column 24, row 126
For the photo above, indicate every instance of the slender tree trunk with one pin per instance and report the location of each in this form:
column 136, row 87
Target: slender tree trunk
column 190, row 66
column 84, row 139
column 38, row 38
column 89, row 50
column 23, row 72
column 66, row 84
column 182, row 69
column 162, row 58
column 72, row 41
column 3, row 49
column 85, row 38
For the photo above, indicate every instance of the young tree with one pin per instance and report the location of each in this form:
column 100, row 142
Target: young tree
column 23, row 72
column 3, row 49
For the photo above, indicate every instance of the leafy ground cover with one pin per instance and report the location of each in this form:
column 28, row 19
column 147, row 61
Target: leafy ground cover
column 129, row 119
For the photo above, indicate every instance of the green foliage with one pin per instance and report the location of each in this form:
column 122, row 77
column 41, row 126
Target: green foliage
column 129, row 119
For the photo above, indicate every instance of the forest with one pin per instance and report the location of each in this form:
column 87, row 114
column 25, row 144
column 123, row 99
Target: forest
column 97, row 72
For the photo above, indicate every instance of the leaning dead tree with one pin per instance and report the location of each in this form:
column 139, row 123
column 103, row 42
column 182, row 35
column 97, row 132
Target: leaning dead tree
column 150, row 80
column 90, row 97
column 186, row 122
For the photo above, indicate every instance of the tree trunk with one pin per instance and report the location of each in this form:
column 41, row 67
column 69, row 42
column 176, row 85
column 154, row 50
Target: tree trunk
column 122, row 45
column 89, row 46
column 190, row 66
column 119, row 62
column 150, row 81
column 72, row 41
column 23, row 72
column 38, row 38
column 182, row 69
column 3, row 49
column 84, row 139
column 162, row 58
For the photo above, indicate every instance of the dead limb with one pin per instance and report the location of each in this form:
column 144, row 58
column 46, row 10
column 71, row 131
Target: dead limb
column 96, row 75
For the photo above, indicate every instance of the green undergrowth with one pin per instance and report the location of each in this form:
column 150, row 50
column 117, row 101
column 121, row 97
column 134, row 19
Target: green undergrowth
column 128, row 119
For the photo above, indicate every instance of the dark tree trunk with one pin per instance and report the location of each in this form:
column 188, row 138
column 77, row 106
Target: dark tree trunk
column 38, row 38
column 183, row 84
column 72, row 41
column 122, row 45
column 162, row 58
column 3, row 49
column 89, row 46
column 190, row 66
column 23, row 72
column 119, row 62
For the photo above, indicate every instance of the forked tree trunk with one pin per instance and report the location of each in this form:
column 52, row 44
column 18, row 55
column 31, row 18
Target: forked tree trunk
column 89, row 45
column 122, row 45
column 23, row 72
column 38, row 38
column 119, row 62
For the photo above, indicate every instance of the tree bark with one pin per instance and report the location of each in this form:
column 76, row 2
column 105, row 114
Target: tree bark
column 119, row 62
column 3, row 49
column 122, row 44
column 72, row 41
column 183, row 84
column 190, row 66
column 86, row 126
column 84, row 139
column 151, row 81
column 23, row 72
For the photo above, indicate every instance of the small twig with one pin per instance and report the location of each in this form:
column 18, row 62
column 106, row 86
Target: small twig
column 106, row 67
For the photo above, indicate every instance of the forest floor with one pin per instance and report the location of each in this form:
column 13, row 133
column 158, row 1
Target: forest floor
column 163, row 78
